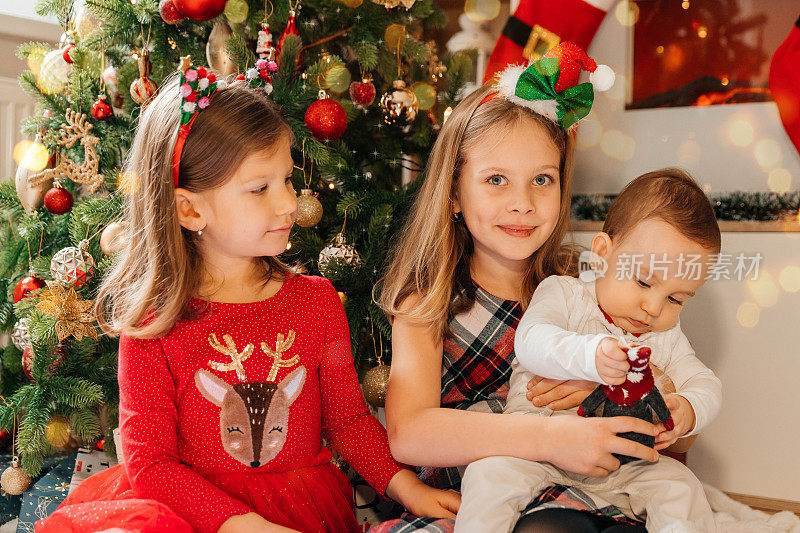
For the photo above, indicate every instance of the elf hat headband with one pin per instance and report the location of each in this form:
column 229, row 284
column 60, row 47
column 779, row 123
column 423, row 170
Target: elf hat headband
column 549, row 86
column 198, row 85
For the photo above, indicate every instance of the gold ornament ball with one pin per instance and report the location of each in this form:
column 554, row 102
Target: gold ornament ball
column 14, row 480
column 58, row 431
column 376, row 381
column 309, row 209
column 113, row 238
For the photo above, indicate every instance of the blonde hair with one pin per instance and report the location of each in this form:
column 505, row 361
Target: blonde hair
column 431, row 258
column 671, row 195
column 150, row 285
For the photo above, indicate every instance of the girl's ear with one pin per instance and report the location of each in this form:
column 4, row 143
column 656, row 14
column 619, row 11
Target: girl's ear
column 456, row 205
column 601, row 244
column 189, row 216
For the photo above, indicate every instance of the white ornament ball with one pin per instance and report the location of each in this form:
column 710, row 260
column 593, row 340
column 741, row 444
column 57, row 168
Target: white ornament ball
column 86, row 22
column 54, row 74
column 20, row 335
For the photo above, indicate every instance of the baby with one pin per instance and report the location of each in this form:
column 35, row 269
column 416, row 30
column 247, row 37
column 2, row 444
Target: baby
column 657, row 241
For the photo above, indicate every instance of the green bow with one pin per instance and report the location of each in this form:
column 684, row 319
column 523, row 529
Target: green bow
column 538, row 82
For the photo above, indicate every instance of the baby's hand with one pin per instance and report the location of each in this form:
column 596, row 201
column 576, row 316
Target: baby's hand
column 611, row 362
column 682, row 416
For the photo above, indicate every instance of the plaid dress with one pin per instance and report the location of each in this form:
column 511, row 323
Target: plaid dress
column 476, row 368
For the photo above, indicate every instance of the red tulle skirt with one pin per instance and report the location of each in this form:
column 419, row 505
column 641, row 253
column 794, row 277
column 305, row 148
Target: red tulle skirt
column 313, row 499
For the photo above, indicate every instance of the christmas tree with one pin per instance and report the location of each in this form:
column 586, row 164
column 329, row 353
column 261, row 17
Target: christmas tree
column 357, row 153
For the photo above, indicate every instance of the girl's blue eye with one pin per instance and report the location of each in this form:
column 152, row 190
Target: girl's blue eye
column 260, row 190
column 642, row 284
column 542, row 179
column 497, row 179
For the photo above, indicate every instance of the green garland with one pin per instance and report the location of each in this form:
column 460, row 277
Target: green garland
column 738, row 206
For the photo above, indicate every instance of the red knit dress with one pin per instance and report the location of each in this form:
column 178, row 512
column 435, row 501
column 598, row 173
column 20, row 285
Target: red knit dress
column 224, row 416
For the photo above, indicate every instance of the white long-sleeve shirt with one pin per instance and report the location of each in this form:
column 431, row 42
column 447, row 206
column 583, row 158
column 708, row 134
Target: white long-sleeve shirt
column 558, row 335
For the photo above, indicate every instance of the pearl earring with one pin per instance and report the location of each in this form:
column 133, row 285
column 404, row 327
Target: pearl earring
column 199, row 233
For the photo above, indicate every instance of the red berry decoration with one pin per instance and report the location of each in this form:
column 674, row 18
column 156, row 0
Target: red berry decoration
column 100, row 444
column 67, row 52
column 362, row 92
column 169, row 12
column 326, row 119
column 26, row 285
column 101, row 110
column 200, row 9
column 58, row 200
column 27, row 360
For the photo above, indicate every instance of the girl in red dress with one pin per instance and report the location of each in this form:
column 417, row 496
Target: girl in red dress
column 231, row 365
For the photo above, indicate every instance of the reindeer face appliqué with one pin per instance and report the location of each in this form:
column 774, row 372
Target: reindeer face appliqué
column 254, row 417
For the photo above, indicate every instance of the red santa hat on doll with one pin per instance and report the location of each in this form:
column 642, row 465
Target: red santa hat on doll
column 549, row 86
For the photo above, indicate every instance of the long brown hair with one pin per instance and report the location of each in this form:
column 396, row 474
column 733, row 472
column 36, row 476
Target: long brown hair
column 431, row 258
column 151, row 283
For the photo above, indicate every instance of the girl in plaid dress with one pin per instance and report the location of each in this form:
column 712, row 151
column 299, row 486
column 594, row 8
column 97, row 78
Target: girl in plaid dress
column 486, row 229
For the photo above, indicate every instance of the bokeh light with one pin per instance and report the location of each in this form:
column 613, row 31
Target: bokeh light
column 689, row 153
column 627, row 13
column 590, row 131
column 789, row 278
column 748, row 314
column 764, row 290
column 393, row 35
column 481, row 10
column 741, row 132
column 779, row 180
column 31, row 155
column 618, row 145
column 425, row 93
column 768, row 153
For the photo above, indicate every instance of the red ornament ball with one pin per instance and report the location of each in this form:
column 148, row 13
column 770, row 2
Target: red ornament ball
column 58, row 200
column 362, row 93
column 200, row 9
column 5, row 438
column 169, row 12
column 66, row 53
column 26, row 285
column 326, row 119
column 27, row 360
column 101, row 110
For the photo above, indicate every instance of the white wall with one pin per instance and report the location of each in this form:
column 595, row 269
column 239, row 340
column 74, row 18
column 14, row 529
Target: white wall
column 694, row 138
column 751, row 448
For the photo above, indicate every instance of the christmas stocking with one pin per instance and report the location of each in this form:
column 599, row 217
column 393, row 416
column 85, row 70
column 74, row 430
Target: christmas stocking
column 784, row 82
column 538, row 25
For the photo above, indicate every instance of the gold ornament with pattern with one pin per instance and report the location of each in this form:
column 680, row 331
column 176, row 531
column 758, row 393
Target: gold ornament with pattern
column 14, row 479
column 309, row 209
column 73, row 315
column 76, row 129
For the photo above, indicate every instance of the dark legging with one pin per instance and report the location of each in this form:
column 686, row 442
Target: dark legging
column 571, row 521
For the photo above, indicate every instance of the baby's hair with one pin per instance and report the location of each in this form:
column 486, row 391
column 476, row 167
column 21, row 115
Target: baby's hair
column 670, row 195
column 154, row 277
column 432, row 255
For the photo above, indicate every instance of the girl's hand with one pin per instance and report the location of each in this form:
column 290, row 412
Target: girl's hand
column 251, row 522
column 420, row 499
column 682, row 415
column 585, row 445
column 557, row 394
